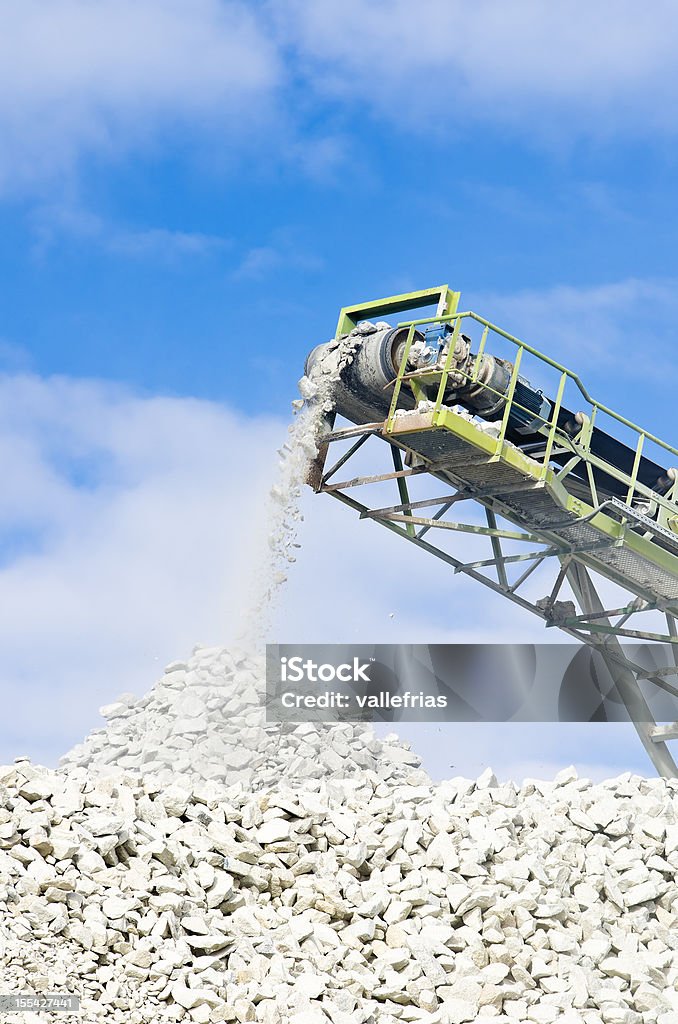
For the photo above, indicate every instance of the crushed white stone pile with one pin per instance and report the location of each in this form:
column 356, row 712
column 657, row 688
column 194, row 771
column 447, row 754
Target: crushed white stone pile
column 369, row 896
column 192, row 862
column 205, row 720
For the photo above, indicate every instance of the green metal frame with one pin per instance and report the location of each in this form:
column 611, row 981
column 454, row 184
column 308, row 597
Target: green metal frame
column 593, row 624
column 445, row 299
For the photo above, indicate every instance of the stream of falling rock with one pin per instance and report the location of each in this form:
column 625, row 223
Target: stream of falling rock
column 284, row 514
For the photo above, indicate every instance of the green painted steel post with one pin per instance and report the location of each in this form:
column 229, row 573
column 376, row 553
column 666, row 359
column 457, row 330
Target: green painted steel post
column 446, row 368
column 509, row 399
column 634, row 471
column 479, row 355
column 554, row 424
column 399, row 380
column 402, row 486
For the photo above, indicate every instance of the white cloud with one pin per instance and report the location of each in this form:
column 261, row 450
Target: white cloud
column 14, row 357
column 285, row 249
column 51, row 223
column 574, row 67
column 164, row 242
column 129, row 529
column 530, row 750
column 79, row 77
column 590, row 323
column 54, row 223
column 121, row 76
column 135, row 518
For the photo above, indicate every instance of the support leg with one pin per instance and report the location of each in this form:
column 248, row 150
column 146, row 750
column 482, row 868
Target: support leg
column 624, row 678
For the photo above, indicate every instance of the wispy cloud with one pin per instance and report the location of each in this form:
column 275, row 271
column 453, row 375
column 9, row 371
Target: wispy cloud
column 152, row 76
column 14, row 358
column 285, row 249
column 141, row 521
column 162, row 241
column 551, row 70
column 52, row 223
column 618, row 337
column 594, row 325
column 517, row 751
column 130, row 527
column 259, row 262
column 77, row 77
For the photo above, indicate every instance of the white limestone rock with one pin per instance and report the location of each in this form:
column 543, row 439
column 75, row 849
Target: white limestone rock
column 314, row 874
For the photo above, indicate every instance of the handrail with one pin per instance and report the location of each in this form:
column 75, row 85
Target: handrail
column 551, row 362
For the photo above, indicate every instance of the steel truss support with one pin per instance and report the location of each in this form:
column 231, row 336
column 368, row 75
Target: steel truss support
column 593, row 624
column 623, row 674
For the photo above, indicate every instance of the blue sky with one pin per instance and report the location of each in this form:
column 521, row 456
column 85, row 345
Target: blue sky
column 188, row 194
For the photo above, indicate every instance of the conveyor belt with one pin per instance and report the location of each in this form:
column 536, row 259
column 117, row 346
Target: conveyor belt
column 576, row 501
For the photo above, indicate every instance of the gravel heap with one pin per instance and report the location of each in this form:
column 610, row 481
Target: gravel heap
column 325, row 882
column 192, row 862
column 204, row 720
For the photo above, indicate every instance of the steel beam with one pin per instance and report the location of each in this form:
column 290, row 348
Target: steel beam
column 623, row 676
column 592, row 627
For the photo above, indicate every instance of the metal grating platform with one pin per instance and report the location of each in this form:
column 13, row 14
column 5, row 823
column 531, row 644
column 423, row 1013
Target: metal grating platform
column 467, row 457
